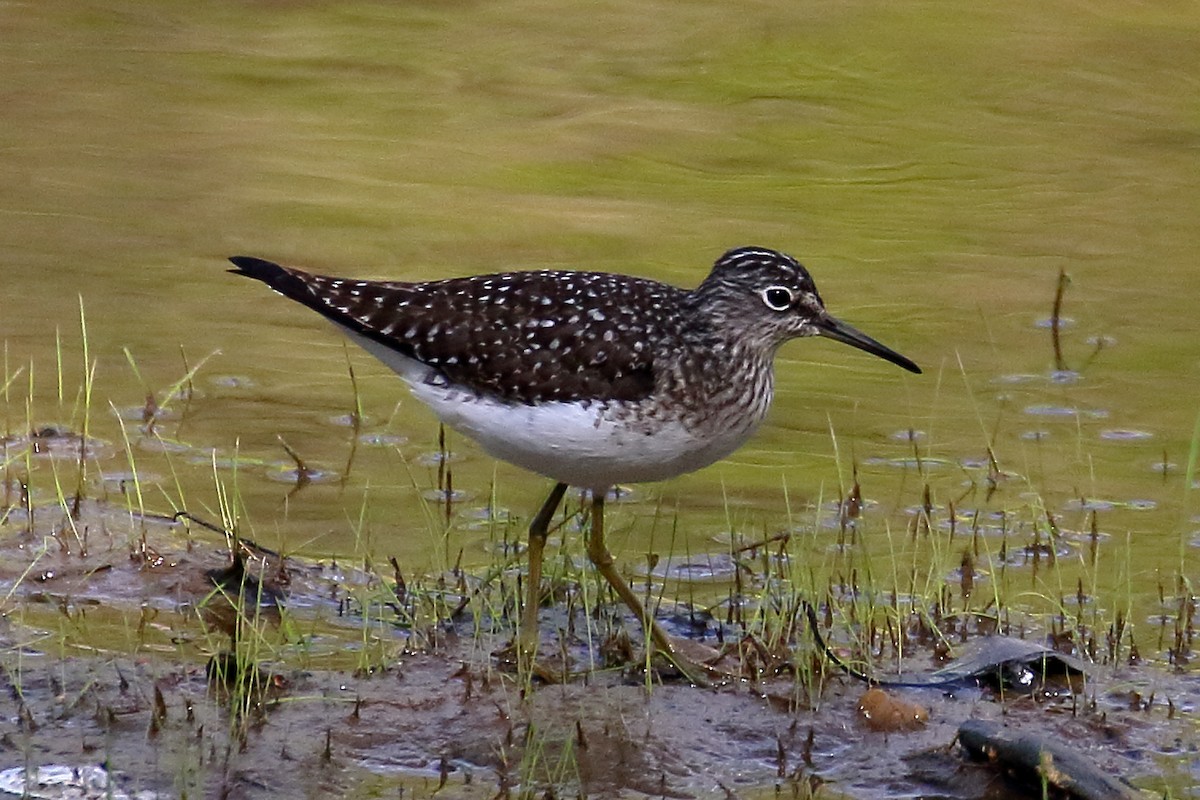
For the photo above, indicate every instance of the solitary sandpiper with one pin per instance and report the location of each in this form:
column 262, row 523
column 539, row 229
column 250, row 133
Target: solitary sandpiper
column 588, row 378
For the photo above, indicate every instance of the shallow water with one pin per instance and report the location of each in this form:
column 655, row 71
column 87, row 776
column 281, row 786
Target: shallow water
column 935, row 167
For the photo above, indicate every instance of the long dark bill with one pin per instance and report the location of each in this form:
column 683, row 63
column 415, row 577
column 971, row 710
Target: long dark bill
column 839, row 331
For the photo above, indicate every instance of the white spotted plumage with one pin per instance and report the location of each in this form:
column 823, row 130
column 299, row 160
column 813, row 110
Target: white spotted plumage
column 584, row 377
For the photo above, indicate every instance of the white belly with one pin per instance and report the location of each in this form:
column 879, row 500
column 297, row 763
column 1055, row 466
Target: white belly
column 591, row 446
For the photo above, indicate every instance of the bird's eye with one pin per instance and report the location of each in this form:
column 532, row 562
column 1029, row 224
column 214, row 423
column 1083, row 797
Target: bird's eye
column 777, row 298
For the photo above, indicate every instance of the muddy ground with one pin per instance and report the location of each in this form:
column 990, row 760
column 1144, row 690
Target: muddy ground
column 115, row 653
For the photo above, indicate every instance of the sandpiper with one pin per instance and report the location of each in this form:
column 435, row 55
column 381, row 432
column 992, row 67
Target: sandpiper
column 588, row 378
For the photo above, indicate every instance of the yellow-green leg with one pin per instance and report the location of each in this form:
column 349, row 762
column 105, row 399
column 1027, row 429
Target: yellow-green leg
column 599, row 555
column 528, row 638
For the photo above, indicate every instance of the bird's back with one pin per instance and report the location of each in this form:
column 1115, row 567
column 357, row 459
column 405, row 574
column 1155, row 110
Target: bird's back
column 522, row 337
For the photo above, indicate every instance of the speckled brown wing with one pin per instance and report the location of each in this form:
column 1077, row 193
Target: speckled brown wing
column 526, row 337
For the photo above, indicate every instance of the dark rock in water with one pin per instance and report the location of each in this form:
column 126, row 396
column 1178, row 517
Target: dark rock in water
column 1038, row 763
column 1006, row 663
column 997, row 662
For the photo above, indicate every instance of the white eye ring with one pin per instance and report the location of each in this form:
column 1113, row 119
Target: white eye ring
column 777, row 298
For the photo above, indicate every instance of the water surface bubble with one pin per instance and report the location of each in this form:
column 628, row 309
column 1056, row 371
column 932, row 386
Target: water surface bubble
column 1089, row 504
column 219, row 460
column 442, row 495
column 1125, row 435
column 1083, row 536
column 146, row 414
column 487, row 514
column 506, row 547
column 703, row 567
column 1027, row 554
column 864, row 505
column 1096, row 504
column 1020, row 377
column 348, row 420
column 291, row 474
column 157, row 444
column 1049, row 410
column 126, row 479
column 383, row 439
column 232, row 381
column 975, row 462
column 908, row 463
column 437, row 457
column 978, row 575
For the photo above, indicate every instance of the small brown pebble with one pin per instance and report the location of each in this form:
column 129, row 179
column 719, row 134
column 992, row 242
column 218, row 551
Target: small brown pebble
column 884, row 712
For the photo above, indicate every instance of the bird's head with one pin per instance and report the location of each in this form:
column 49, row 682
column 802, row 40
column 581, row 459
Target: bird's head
column 769, row 297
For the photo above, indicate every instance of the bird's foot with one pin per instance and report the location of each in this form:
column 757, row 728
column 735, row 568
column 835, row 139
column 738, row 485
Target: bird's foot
column 692, row 660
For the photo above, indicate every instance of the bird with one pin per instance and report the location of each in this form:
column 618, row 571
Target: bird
column 590, row 379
